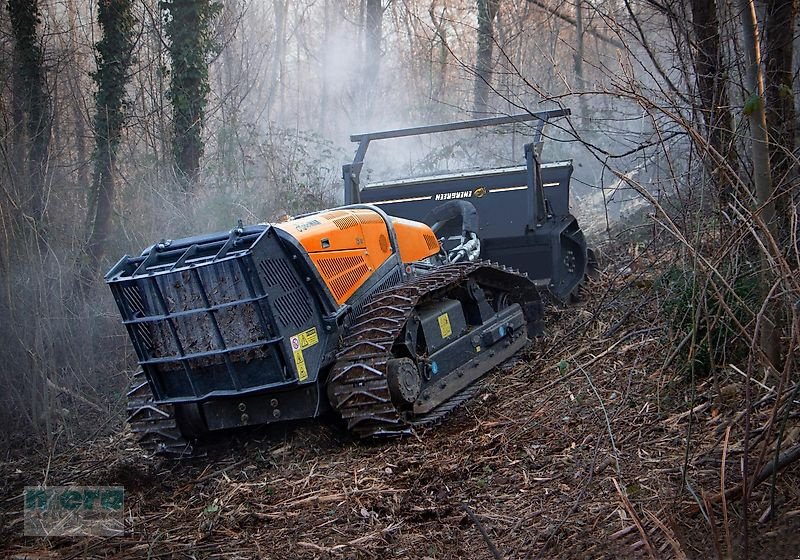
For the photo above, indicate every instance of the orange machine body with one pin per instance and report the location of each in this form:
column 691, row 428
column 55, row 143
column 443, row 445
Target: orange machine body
column 348, row 244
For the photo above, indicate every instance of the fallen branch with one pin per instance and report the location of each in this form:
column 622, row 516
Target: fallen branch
column 784, row 460
column 629, row 508
column 484, row 534
column 76, row 396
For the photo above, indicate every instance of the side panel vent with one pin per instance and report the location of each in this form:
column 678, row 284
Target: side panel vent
column 293, row 309
column 369, row 217
column 352, row 279
column 343, row 271
column 278, row 273
column 333, row 267
column 345, row 222
column 431, row 241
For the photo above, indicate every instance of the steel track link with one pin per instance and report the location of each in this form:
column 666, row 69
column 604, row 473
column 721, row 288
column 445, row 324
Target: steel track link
column 154, row 425
column 358, row 386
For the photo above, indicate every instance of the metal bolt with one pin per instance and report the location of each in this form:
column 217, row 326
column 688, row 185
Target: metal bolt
column 245, row 418
column 273, row 403
column 242, row 407
column 276, row 413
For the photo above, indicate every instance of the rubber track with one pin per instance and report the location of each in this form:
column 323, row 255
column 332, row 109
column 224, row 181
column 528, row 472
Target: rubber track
column 359, row 389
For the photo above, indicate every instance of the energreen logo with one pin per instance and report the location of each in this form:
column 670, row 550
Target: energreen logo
column 74, row 510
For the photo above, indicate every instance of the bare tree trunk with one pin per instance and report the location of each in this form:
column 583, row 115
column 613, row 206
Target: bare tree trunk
column 373, row 34
column 75, row 71
column 324, row 118
column 711, row 84
column 229, row 84
column 439, row 69
column 759, row 144
column 280, row 8
column 18, row 95
column 487, row 11
column 779, row 23
column 580, row 82
column 754, row 108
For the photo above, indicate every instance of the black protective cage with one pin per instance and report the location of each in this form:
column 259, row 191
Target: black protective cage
column 212, row 316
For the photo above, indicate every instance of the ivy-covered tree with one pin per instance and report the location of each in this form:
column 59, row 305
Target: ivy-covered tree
column 190, row 44
column 114, row 53
column 32, row 103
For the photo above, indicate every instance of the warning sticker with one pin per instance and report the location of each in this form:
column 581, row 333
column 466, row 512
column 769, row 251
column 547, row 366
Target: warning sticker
column 299, row 361
column 444, row 325
column 308, row 338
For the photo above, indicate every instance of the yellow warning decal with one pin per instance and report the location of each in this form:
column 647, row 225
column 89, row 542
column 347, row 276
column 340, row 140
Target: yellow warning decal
column 444, row 325
column 299, row 361
column 308, row 338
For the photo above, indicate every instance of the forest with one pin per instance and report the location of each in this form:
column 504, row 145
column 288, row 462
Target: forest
column 658, row 417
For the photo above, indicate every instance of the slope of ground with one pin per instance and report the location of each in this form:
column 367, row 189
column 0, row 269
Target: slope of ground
column 575, row 450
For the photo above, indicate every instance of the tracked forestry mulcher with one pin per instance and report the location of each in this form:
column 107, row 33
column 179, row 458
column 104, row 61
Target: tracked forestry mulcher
column 385, row 320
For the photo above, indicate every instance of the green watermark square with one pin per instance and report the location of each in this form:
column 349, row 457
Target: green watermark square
column 72, row 511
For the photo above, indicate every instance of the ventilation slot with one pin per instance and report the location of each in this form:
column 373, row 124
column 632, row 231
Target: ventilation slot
column 335, row 266
column 135, row 301
column 431, row 242
column 293, row 309
column 133, row 297
column 393, row 279
column 343, row 284
column 278, row 273
column 368, row 217
column 345, row 222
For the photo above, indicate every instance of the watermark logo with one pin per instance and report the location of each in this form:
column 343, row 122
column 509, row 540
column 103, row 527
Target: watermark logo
column 59, row 511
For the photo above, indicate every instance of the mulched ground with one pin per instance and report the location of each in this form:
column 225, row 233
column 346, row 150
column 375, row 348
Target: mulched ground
column 574, row 450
